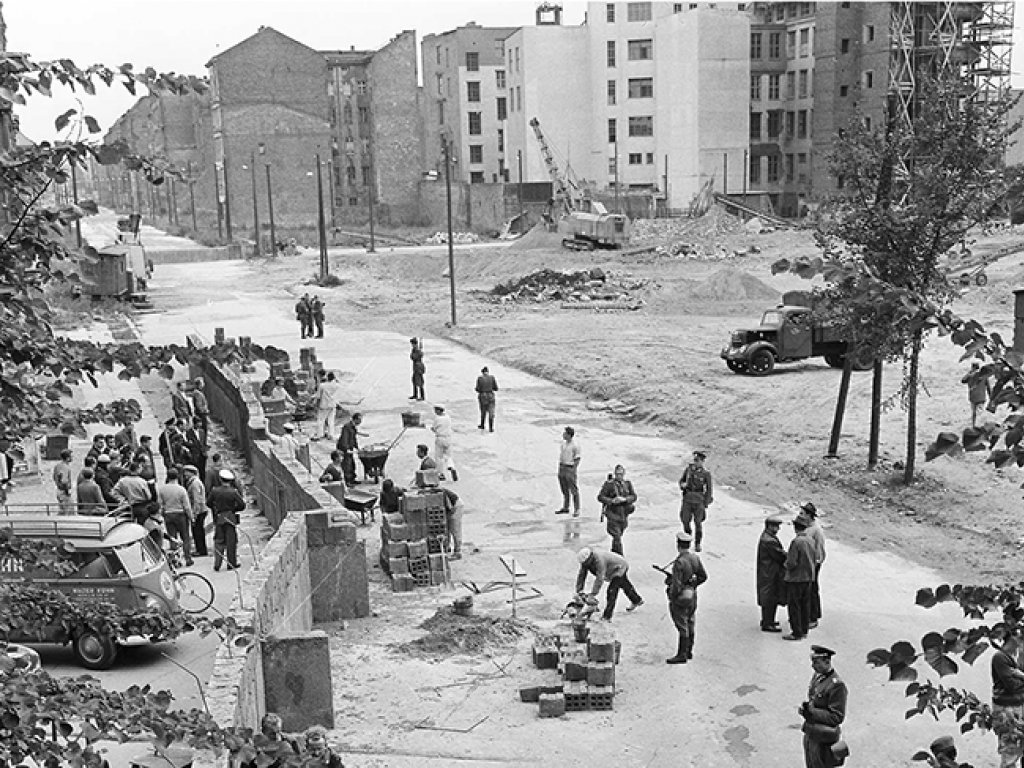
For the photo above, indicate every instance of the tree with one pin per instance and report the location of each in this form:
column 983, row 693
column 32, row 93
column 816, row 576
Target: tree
column 910, row 191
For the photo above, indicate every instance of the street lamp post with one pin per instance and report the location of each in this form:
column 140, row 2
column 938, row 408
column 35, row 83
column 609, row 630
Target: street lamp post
column 270, row 202
column 192, row 196
column 448, row 196
column 255, row 204
column 321, row 223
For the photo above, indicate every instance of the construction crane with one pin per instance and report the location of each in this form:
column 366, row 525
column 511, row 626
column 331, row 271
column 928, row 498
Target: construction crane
column 562, row 186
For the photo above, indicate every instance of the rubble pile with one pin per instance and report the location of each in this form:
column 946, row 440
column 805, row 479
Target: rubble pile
column 585, row 286
column 715, row 252
column 458, row 238
column 449, row 633
column 715, row 223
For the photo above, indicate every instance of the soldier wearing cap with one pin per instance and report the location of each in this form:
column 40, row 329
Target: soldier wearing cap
column 799, row 578
column 687, row 574
column 418, row 369
column 225, row 502
column 771, row 573
column 823, row 712
column 944, row 750
column 698, row 494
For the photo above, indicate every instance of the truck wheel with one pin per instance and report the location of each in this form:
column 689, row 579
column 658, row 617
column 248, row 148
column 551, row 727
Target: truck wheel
column 981, row 279
column 94, row 650
column 761, row 363
column 736, row 366
column 834, row 361
column 863, row 363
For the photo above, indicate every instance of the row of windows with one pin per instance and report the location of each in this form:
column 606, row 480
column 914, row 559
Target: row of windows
column 774, row 165
column 638, row 88
column 775, row 44
column 634, row 12
column 636, row 50
column 775, row 86
column 796, row 124
column 639, row 125
column 639, row 158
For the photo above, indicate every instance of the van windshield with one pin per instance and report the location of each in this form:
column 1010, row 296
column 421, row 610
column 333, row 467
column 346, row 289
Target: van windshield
column 771, row 319
column 140, row 556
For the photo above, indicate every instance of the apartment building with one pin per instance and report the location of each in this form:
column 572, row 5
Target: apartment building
column 466, row 100
column 643, row 96
column 782, row 102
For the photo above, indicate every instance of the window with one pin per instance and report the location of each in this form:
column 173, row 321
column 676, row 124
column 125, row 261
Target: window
column 867, row 123
column 501, row 140
column 613, row 168
column 446, row 62
column 773, row 169
column 612, row 135
column 801, row 124
column 790, row 168
column 774, row 45
column 790, row 124
column 476, row 153
column 636, row 158
column 649, row 158
column 439, row 55
column 364, row 115
column 350, row 172
column 472, row 61
column 805, row 43
column 641, row 88
column 755, row 87
column 440, row 84
column 347, row 113
column 473, row 91
column 844, row 45
column 353, row 201
column 502, row 108
column 791, row 44
column 609, row 12
column 611, row 53
column 773, row 86
column 519, row 99
column 802, row 93
column 791, row 85
column 517, row 58
column 361, row 87
column 639, row 50
column 611, row 92
column 755, row 45
column 869, row 79
column 805, row 9
column 440, row 113
column 474, row 124
column 641, row 125
column 774, row 123
column 843, row 90
column 755, row 126
column 499, row 79
column 638, row 11
column 476, row 177
column 366, row 175
column 869, row 33
column 755, row 169
column 780, row 12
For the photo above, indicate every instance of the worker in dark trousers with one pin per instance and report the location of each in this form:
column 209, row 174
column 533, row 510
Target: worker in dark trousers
column 698, row 494
column 687, row 574
column 418, row 369
column 225, row 502
column 486, row 386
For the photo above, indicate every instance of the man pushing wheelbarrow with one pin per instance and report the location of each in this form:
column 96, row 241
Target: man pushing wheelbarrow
column 373, row 457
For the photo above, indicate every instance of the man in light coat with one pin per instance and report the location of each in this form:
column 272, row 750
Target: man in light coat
column 443, row 434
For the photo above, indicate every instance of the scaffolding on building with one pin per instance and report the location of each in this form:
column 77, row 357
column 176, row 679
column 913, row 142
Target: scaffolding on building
column 974, row 38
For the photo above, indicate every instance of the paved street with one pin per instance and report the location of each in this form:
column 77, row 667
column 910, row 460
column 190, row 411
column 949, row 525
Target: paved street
column 736, row 703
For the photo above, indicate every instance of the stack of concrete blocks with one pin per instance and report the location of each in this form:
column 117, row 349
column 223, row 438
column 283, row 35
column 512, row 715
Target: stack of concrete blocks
column 586, row 670
column 413, row 542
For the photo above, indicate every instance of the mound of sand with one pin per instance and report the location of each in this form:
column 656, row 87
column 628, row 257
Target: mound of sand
column 537, row 238
column 732, row 285
column 449, row 633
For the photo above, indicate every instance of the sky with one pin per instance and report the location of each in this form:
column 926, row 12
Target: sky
column 182, row 35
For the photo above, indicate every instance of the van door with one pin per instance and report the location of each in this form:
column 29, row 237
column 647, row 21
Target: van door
column 795, row 339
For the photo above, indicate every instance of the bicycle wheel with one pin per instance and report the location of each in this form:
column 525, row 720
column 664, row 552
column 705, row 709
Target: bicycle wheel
column 195, row 592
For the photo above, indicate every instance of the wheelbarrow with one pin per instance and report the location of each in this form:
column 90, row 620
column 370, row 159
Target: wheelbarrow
column 375, row 456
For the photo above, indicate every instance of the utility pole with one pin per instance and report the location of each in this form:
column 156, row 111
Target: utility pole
column 451, row 251
column 192, row 197
column 369, row 199
column 270, row 203
column 666, row 186
column 746, row 170
column 255, row 204
column 617, row 173
column 74, row 192
column 725, row 173
column 321, row 224
column 519, row 160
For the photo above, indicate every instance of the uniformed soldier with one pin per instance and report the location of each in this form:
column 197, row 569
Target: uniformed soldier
column 698, row 494
column 687, row 574
column 823, row 712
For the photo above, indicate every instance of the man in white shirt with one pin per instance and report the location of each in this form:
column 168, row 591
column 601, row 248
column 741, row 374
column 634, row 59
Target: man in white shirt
column 327, row 406
column 568, row 463
column 287, row 440
column 443, row 434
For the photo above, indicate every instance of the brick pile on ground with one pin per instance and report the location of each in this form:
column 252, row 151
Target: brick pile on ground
column 584, row 658
column 584, row 286
column 450, row 633
column 413, row 542
column 459, row 238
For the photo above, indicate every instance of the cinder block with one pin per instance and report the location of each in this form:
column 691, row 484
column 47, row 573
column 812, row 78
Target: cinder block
column 438, row 578
column 398, row 565
column 393, row 518
column 399, row 532
column 575, row 669
column 418, row 548
column 530, row 695
column 344, row 533
column 600, row 697
column 601, row 651
column 415, row 516
column 601, row 674
column 402, row 582
column 419, row 565
column 545, row 658
column 576, row 698
column 421, row 579
column 427, row 477
column 438, row 563
column 435, row 545
column 411, row 502
column 396, row 548
column 552, row 705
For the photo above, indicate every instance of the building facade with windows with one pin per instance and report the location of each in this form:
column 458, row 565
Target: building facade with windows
column 465, row 100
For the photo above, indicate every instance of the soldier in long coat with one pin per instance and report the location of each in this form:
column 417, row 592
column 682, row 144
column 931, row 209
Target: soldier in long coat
column 771, row 573
column 824, row 711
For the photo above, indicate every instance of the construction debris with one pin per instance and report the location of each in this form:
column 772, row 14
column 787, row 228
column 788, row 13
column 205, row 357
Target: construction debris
column 458, row 238
column 584, row 287
column 450, row 633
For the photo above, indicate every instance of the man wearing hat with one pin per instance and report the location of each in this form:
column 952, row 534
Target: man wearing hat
column 817, row 535
column 286, row 441
column 771, row 573
column 486, row 386
column 687, row 574
column 610, row 567
column 225, row 502
column 105, row 481
column 823, row 712
column 799, row 578
column 443, row 433
column 944, row 750
column 418, row 369
column 1007, row 694
column 696, row 487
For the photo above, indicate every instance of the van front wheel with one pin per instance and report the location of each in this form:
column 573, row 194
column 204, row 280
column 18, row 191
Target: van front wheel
column 94, row 650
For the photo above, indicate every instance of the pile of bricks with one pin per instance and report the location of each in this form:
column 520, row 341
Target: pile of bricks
column 586, row 669
column 413, row 542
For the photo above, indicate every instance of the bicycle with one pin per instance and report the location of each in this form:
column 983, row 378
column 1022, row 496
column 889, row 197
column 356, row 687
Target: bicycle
column 195, row 592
